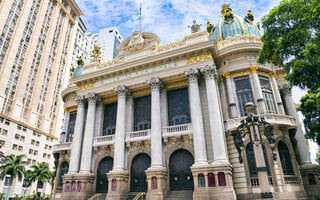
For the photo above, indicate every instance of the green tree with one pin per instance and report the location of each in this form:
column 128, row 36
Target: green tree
column 291, row 40
column 40, row 173
column 13, row 165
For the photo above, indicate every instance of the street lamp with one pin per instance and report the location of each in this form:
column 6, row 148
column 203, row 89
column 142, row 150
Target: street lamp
column 254, row 127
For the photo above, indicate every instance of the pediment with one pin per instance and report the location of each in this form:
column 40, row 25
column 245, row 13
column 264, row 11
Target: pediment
column 137, row 42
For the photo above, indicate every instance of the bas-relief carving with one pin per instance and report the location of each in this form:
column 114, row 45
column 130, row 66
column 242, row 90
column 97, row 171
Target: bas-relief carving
column 198, row 58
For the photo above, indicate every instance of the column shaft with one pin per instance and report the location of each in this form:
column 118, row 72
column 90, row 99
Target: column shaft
column 88, row 134
column 215, row 116
column 231, row 97
column 156, row 137
column 196, row 118
column 119, row 146
column 77, row 137
column 277, row 95
column 301, row 141
column 256, row 88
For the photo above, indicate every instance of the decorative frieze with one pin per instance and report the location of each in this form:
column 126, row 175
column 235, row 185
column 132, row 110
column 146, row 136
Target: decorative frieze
column 199, row 58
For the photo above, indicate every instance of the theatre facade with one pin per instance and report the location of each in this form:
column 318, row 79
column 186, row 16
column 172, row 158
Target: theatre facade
column 174, row 121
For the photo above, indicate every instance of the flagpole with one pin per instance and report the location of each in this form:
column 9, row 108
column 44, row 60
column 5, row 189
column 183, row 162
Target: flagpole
column 140, row 16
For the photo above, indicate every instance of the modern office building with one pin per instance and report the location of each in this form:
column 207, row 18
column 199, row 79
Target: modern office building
column 195, row 119
column 108, row 39
column 84, row 43
column 36, row 45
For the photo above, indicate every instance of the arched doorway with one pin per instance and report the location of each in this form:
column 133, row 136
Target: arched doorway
column 138, row 180
column 180, row 173
column 105, row 166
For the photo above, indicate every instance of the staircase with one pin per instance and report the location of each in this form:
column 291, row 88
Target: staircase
column 136, row 196
column 180, row 195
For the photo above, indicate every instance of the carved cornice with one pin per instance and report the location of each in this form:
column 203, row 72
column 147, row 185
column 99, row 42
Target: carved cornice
column 155, row 83
column 209, row 71
column 121, row 90
column 192, row 74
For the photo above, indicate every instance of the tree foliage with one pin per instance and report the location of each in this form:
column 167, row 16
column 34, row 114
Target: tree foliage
column 292, row 40
column 40, row 172
column 13, row 165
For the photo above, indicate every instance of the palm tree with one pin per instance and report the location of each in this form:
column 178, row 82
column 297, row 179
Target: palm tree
column 41, row 173
column 14, row 166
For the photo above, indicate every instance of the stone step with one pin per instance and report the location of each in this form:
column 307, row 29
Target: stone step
column 177, row 195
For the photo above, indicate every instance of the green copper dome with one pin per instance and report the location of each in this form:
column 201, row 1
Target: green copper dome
column 231, row 25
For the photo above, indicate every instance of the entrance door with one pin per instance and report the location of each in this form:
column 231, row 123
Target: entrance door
column 138, row 180
column 105, row 166
column 180, row 172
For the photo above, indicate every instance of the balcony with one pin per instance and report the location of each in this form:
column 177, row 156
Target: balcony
column 138, row 135
column 274, row 119
column 62, row 147
column 176, row 131
column 103, row 140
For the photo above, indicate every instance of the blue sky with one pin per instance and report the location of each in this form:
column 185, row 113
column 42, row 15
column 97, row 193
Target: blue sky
column 169, row 19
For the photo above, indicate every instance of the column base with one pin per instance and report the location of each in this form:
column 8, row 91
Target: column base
column 213, row 182
column 311, row 180
column 157, row 183
column 78, row 187
column 118, row 185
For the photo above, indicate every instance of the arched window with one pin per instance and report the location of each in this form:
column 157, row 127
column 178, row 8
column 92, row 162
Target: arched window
column 285, row 159
column 311, row 179
column 222, row 179
column 211, row 180
column 201, row 181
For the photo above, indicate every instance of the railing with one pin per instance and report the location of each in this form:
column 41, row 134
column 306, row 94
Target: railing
column 291, row 180
column 62, row 146
column 138, row 135
column 254, row 181
column 140, row 195
column 103, row 140
column 232, row 124
column 96, row 196
column 182, row 129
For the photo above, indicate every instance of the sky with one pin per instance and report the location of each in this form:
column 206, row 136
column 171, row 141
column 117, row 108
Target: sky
column 169, row 19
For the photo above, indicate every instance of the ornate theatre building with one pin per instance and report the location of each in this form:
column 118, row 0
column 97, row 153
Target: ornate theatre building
column 195, row 119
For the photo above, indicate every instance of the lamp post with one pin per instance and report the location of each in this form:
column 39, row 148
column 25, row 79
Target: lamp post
column 254, row 127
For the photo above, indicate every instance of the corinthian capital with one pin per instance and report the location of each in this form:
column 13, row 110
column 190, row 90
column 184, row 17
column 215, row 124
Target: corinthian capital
column 286, row 90
column 192, row 74
column 92, row 98
column 155, row 83
column 121, row 90
column 80, row 100
column 209, row 72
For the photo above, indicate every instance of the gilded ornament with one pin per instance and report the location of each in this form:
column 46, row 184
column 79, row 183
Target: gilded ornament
column 253, row 69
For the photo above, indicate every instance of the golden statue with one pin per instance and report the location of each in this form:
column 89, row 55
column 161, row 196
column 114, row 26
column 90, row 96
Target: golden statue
column 96, row 54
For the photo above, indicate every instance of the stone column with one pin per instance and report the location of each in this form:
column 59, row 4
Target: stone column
column 77, row 137
column 215, row 116
column 119, row 144
column 88, row 134
column 156, row 137
column 301, row 141
column 231, row 96
column 196, row 118
column 276, row 93
column 256, row 89
column 63, row 135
